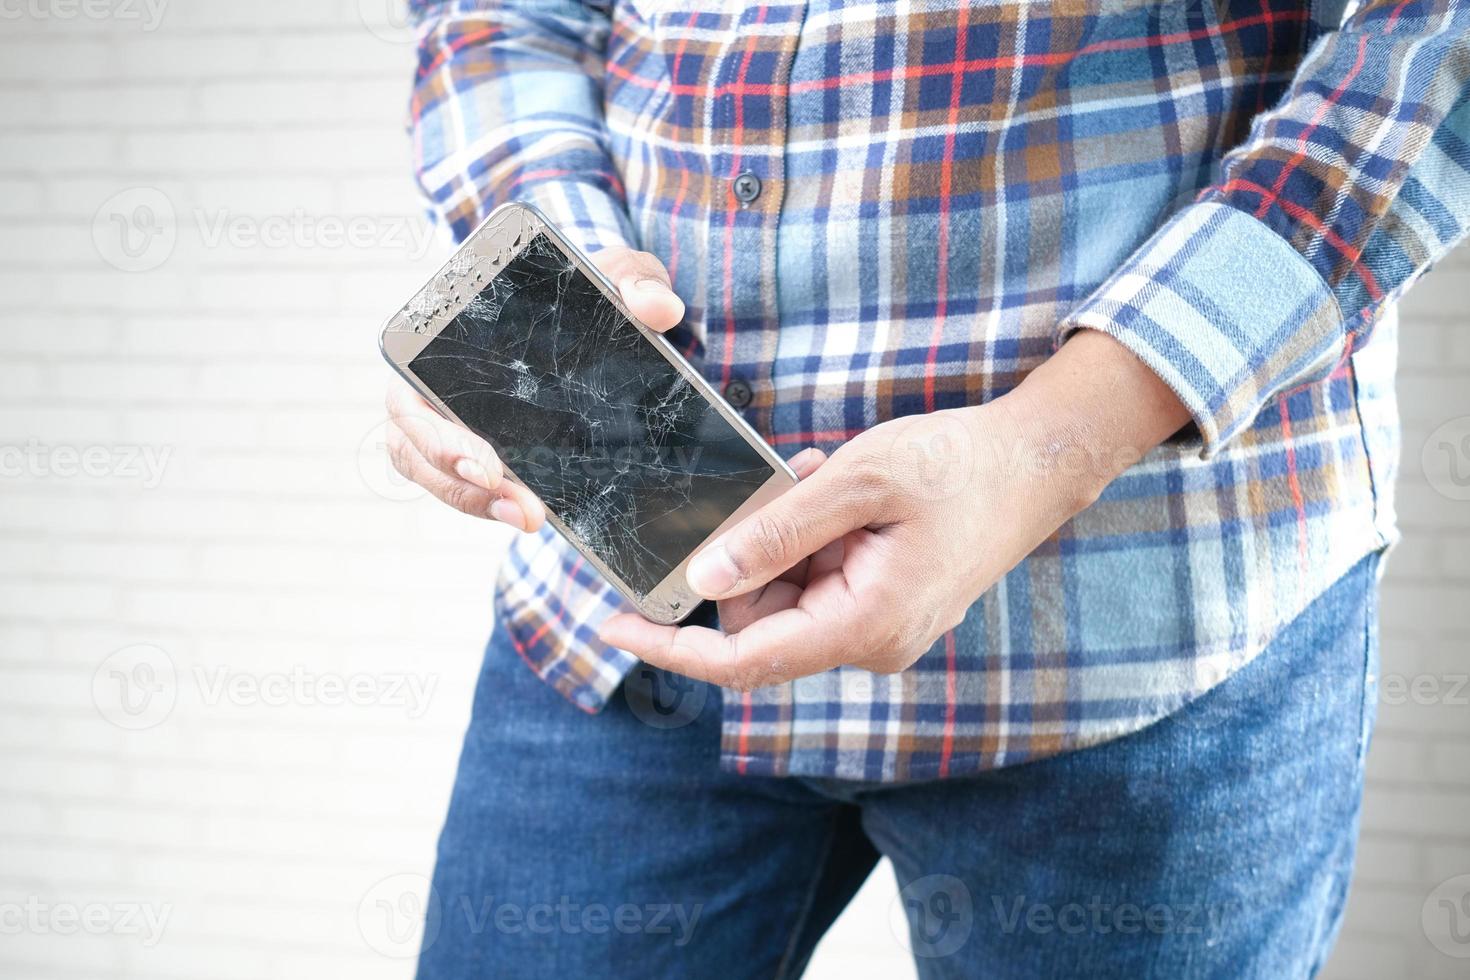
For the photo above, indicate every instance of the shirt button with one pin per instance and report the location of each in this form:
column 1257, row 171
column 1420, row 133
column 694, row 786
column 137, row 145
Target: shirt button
column 747, row 187
column 738, row 393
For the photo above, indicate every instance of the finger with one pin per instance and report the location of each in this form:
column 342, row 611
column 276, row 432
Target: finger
column 643, row 283
column 738, row 612
column 522, row 504
column 450, row 448
column 806, row 518
column 511, row 504
column 460, row 494
column 793, row 643
column 807, row 462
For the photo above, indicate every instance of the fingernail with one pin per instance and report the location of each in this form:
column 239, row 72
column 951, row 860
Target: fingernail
column 506, row 512
column 471, row 471
column 651, row 285
column 712, row 572
column 804, row 461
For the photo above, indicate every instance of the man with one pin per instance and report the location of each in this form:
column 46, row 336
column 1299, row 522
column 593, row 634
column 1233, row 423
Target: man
column 1089, row 303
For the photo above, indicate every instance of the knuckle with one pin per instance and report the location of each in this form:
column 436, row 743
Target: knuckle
column 613, row 261
column 894, row 654
column 869, row 475
column 887, row 594
column 394, row 398
column 649, row 265
column 772, row 540
column 736, row 680
column 735, row 614
column 746, row 677
column 887, row 663
column 459, row 496
column 742, row 671
column 398, row 451
column 437, row 444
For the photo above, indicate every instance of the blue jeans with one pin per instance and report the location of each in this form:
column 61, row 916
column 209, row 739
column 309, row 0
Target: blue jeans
column 1216, row 843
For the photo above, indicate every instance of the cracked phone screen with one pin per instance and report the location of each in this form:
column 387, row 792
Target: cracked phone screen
column 631, row 458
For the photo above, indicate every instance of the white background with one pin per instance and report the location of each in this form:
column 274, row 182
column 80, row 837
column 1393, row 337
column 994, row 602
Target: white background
column 271, row 554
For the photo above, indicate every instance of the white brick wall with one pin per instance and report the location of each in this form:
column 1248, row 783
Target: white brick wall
column 267, row 551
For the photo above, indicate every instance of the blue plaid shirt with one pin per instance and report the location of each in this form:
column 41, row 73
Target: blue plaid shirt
column 943, row 191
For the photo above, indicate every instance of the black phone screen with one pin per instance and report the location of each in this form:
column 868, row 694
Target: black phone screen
column 618, row 444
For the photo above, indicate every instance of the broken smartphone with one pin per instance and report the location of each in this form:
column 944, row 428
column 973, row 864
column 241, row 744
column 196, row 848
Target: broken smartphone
column 638, row 460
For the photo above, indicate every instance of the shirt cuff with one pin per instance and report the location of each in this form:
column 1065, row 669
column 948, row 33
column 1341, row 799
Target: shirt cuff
column 1225, row 311
column 586, row 214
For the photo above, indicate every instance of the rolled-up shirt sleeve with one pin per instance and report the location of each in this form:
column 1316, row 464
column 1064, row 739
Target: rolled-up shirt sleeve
column 1353, row 185
column 507, row 105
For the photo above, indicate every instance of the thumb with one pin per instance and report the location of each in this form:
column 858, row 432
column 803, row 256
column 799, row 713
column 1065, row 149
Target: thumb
column 643, row 284
column 796, row 525
column 652, row 302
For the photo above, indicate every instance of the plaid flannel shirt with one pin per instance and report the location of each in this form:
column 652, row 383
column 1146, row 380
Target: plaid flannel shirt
column 944, row 190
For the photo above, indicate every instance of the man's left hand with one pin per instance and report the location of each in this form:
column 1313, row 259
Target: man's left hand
column 881, row 549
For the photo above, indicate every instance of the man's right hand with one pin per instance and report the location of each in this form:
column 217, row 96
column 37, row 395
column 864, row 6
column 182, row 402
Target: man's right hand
column 459, row 467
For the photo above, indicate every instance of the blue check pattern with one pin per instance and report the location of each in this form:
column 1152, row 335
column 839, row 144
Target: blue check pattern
column 1238, row 191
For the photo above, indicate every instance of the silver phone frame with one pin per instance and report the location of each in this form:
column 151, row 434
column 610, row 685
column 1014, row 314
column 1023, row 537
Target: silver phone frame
column 495, row 242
